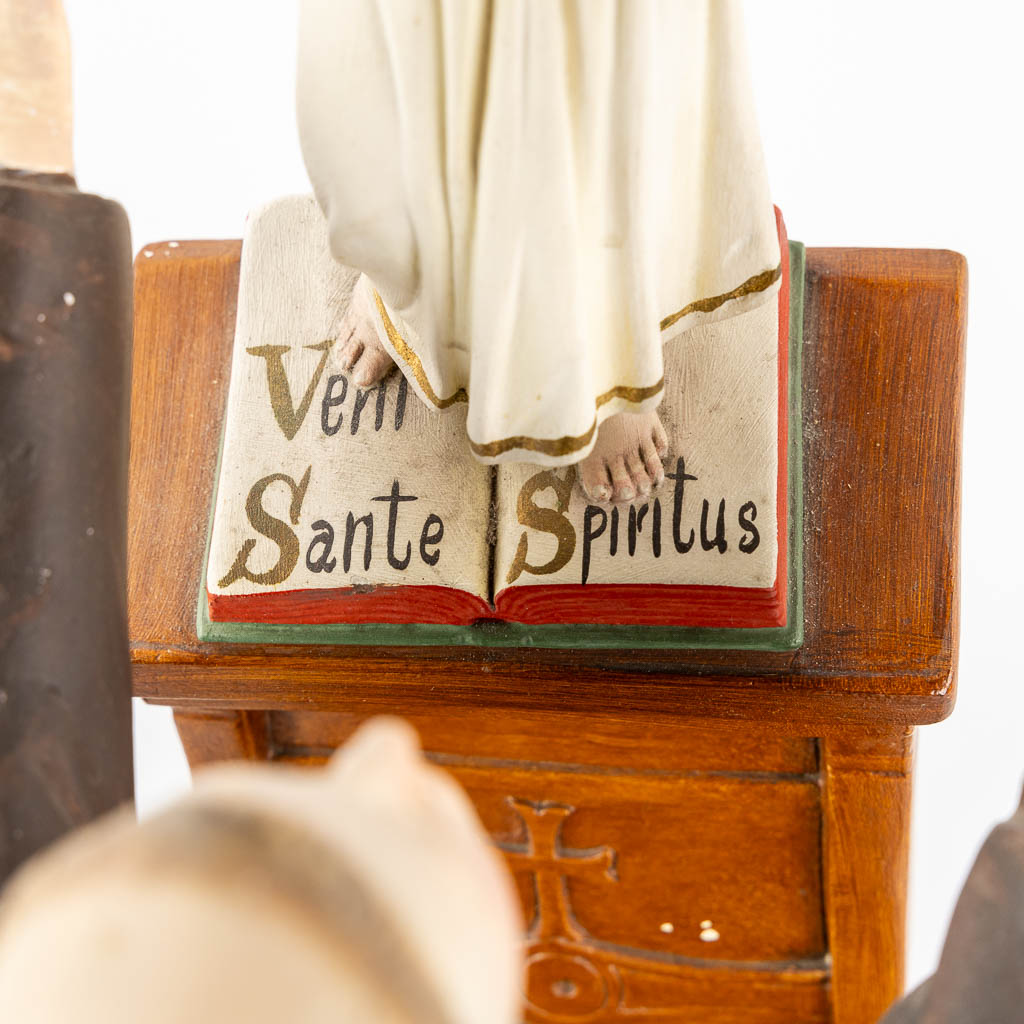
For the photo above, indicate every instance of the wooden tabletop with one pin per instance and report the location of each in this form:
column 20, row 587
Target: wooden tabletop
column 883, row 397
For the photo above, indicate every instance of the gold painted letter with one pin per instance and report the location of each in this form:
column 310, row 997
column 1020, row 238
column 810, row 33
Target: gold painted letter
column 289, row 419
column 548, row 520
column 275, row 529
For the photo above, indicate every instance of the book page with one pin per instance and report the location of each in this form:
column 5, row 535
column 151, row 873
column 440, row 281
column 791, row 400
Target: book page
column 323, row 484
column 714, row 520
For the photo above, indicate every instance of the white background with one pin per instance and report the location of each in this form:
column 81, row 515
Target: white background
column 886, row 123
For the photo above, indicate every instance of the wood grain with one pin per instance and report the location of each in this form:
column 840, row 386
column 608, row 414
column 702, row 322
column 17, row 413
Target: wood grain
column 738, row 825
column 882, row 397
column 867, row 784
column 567, row 738
column 179, row 388
column 210, row 736
column 686, row 850
column 623, row 843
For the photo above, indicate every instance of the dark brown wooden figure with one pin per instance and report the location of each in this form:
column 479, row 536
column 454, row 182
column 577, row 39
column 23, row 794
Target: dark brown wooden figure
column 65, row 343
column 980, row 979
column 706, row 837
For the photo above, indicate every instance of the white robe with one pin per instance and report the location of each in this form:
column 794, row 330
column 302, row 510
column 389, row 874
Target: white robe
column 539, row 193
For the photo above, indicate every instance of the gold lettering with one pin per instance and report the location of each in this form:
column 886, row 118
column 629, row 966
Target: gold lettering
column 548, row 520
column 289, row 419
column 274, row 529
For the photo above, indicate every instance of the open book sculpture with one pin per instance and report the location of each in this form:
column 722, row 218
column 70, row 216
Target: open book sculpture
column 345, row 514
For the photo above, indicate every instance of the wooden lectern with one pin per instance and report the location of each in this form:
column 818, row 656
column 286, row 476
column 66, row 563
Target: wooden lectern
column 698, row 836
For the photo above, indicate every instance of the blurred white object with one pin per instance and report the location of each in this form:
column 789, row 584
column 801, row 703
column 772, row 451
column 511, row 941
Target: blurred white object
column 35, row 87
column 365, row 891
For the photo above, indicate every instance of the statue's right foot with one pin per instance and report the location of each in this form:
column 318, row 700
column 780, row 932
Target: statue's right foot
column 362, row 353
column 625, row 461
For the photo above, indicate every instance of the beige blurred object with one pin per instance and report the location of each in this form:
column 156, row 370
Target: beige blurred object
column 35, row 87
column 365, row 891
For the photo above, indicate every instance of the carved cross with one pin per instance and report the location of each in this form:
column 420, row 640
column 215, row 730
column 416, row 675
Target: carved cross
column 551, row 863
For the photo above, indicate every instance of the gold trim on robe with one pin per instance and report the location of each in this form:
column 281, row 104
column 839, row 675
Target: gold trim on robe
column 757, row 283
column 565, row 445
column 413, row 360
column 558, row 446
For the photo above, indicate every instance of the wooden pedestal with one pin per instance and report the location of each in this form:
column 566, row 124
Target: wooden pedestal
column 697, row 836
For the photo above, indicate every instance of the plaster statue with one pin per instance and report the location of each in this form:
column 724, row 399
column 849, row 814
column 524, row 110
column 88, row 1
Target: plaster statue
column 539, row 196
column 366, row 891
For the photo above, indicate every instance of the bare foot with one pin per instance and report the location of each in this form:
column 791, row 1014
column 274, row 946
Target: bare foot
column 362, row 353
column 626, row 458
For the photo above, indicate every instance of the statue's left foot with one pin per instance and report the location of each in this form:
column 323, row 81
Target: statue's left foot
column 362, row 353
column 626, row 458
